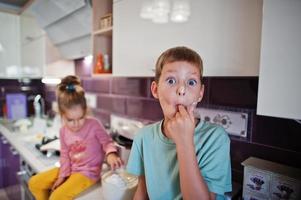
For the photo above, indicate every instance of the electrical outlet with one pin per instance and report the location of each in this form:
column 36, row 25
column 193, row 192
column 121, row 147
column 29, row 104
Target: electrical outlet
column 91, row 100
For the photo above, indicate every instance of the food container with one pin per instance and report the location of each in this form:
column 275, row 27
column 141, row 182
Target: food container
column 118, row 185
column 272, row 181
column 106, row 21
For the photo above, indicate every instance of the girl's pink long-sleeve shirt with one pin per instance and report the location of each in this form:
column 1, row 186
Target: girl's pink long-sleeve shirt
column 84, row 151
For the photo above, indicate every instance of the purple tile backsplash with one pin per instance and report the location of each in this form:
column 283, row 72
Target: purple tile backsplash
column 269, row 138
column 144, row 108
column 111, row 104
column 131, row 86
column 233, row 91
column 103, row 85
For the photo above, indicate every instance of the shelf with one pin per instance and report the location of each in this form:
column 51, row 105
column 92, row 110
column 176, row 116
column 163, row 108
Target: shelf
column 102, row 33
column 106, row 31
column 101, row 75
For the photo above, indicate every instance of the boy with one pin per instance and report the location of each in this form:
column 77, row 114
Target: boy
column 180, row 157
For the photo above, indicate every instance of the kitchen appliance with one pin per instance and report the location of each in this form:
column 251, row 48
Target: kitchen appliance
column 123, row 133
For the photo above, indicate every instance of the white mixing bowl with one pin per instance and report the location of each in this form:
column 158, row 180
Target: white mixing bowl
column 118, row 185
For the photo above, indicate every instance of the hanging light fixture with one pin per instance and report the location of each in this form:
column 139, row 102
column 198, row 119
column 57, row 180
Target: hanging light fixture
column 180, row 11
column 147, row 10
column 159, row 11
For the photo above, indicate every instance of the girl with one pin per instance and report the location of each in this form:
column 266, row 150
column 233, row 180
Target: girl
column 84, row 145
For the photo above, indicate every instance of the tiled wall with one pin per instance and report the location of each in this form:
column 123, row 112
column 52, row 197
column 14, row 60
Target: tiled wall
column 269, row 138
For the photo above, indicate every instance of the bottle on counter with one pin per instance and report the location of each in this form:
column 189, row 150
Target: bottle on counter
column 4, row 110
column 4, row 107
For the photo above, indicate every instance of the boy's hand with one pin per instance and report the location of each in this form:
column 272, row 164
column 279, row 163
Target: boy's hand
column 114, row 161
column 181, row 127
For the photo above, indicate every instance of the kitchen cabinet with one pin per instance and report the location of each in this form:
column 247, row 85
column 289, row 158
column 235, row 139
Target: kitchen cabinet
column 33, row 57
column 279, row 80
column 10, row 167
column 2, row 161
column 26, row 50
column 10, row 45
column 225, row 33
column 39, row 57
column 102, row 30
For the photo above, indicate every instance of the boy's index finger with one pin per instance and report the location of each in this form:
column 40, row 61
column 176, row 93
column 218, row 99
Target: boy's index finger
column 182, row 110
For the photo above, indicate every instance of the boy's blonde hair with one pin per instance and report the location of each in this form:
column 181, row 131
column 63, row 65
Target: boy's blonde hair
column 70, row 93
column 180, row 53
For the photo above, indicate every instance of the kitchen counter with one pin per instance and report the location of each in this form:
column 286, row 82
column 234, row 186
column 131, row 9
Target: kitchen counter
column 24, row 144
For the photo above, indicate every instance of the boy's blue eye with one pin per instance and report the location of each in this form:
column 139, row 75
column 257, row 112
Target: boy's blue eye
column 171, row 81
column 192, row 82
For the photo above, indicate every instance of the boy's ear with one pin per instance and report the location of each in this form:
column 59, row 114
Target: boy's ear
column 154, row 89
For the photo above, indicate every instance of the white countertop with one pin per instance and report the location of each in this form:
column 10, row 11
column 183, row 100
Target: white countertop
column 24, row 145
column 26, row 149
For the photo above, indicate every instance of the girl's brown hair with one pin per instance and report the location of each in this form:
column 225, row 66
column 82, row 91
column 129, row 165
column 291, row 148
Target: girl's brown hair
column 178, row 54
column 70, row 93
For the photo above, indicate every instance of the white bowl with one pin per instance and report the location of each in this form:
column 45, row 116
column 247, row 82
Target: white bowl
column 118, row 185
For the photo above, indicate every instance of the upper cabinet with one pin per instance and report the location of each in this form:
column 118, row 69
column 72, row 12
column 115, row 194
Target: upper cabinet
column 279, row 79
column 102, row 37
column 39, row 56
column 225, row 33
column 9, row 45
column 33, row 57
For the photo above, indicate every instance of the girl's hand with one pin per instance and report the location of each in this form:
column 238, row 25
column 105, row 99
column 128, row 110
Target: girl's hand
column 181, row 127
column 57, row 183
column 114, row 161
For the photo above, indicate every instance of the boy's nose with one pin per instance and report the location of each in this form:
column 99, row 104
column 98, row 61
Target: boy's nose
column 181, row 91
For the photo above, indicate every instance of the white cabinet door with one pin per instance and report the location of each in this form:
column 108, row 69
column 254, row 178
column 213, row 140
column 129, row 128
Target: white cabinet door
column 32, row 47
column 225, row 33
column 279, row 92
column 10, row 43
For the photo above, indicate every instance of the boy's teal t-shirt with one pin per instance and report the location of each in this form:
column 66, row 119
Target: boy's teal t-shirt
column 154, row 156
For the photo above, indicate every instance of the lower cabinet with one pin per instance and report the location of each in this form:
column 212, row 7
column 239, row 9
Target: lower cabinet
column 10, row 165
